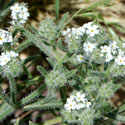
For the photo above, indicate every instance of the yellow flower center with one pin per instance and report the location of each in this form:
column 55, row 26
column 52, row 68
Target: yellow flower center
column 79, row 98
column 89, row 46
column 5, row 60
column 81, row 58
column 92, row 30
column 1, row 38
column 120, row 60
column 70, row 105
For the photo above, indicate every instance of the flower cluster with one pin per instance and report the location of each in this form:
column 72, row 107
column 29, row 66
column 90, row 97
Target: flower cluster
column 6, row 57
column 87, row 28
column 77, row 101
column 19, row 13
column 55, row 79
column 112, row 51
column 48, row 30
column 5, row 37
column 74, row 37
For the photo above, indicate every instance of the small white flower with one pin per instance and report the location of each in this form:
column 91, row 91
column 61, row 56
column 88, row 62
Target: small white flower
column 81, row 30
column 105, row 49
column 88, row 104
column 120, row 60
column 13, row 54
column 120, row 52
column 101, row 55
column 109, row 57
column 80, row 58
column 80, row 106
column 113, row 45
column 80, row 97
column 16, row 8
column 89, row 47
column 87, row 25
column 4, row 59
column 92, row 30
column 14, row 16
column 3, row 38
column 24, row 15
column 70, row 105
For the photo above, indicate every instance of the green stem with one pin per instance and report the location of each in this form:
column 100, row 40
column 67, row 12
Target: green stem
column 13, row 88
column 63, row 94
column 57, row 8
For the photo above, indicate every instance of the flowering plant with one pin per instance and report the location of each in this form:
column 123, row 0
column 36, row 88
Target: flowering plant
column 87, row 69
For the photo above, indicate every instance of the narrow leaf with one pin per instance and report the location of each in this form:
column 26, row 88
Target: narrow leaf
column 42, row 71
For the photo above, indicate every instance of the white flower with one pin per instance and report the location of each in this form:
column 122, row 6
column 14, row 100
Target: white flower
column 120, row 60
column 70, row 105
column 24, row 15
column 89, row 47
column 88, row 104
column 16, row 8
column 92, row 30
column 80, row 97
column 81, row 30
column 80, row 106
column 80, row 58
column 87, row 25
column 12, row 54
column 4, row 59
column 113, row 45
column 120, row 52
column 3, row 38
column 105, row 49
column 109, row 57
column 14, row 16
column 19, row 13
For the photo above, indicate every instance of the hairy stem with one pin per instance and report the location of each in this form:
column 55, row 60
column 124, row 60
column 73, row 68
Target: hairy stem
column 13, row 88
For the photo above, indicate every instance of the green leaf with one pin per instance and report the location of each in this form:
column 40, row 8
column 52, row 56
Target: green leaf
column 5, row 110
column 33, row 95
column 92, row 15
column 23, row 45
column 42, row 71
column 30, row 123
column 63, row 20
column 38, row 43
column 41, row 105
column 54, row 121
column 113, row 34
column 5, row 97
column 56, row 8
column 122, row 108
column 71, row 73
column 61, row 46
column 17, row 122
column 31, row 58
column 34, row 80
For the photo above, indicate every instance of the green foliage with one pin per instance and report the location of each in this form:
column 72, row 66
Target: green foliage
column 5, row 110
column 40, row 105
column 90, row 72
column 4, row 8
